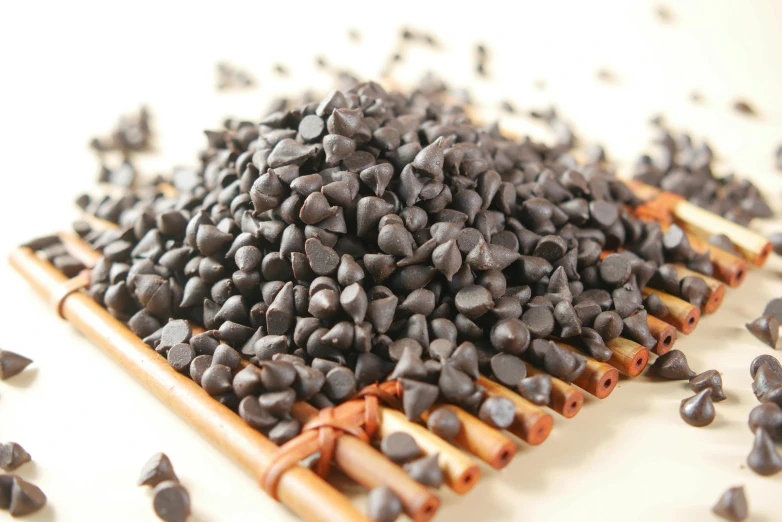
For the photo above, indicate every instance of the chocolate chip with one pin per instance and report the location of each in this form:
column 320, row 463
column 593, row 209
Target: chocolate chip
column 156, row 470
column 764, row 459
column 698, row 410
column 672, row 365
column 12, row 455
column 180, row 356
column 12, row 363
column 497, row 412
column 511, row 336
column 766, row 329
column 399, row 447
column 508, row 369
column 444, row 423
column 769, row 417
column 284, row 431
column 655, row 306
column 732, row 505
column 25, row 498
column 171, row 501
column 609, row 325
column 710, row 379
column 536, row 389
column 383, row 505
column 615, row 270
column 426, row 471
column 473, row 301
column 539, row 321
column 636, row 327
column 417, row 397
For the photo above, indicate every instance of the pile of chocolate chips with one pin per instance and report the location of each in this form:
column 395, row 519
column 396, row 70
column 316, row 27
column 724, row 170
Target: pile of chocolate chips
column 682, row 167
column 376, row 235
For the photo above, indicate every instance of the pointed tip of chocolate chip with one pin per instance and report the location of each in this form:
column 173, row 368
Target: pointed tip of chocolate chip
column 12, row 363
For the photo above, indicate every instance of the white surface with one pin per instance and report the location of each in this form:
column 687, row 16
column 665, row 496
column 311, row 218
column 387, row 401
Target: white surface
column 70, row 68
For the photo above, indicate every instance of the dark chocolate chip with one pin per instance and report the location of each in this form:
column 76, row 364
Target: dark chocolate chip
column 444, row 423
column 673, row 365
column 171, row 501
column 764, row 459
column 400, row 447
column 156, row 470
column 12, row 363
column 769, row 417
column 536, row 389
column 765, row 329
column 426, row 471
column 26, row 498
column 12, row 455
column 732, row 505
column 383, row 505
column 698, row 410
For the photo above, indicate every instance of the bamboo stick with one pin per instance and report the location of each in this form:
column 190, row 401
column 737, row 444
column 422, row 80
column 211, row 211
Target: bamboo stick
column 300, row 489
column 728, row 268
column 488, row 444
column 461, row 473
column 716, row 288
column 681, row 314
column 367, row 466
column 598, row 378
column 532, row 424
column 565, row 398
column 663, row 332
column 629, row 357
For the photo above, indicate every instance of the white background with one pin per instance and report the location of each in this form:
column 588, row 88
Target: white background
column 70, row 68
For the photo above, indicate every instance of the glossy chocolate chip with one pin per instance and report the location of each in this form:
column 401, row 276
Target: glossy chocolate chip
column 765, row 329
column 673, row 365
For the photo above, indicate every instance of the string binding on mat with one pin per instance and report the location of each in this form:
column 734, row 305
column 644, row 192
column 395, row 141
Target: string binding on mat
column 67, row 288
column 329, row 427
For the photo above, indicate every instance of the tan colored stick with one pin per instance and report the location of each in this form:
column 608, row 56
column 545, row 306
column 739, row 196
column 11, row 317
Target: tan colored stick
column 663, row 332
column 367, row 466
column 629, row 357
column 488, row 444
column 565, row 398
column 598, row 378
column 716, row 288
column 300, row 489
column 461, row 473
column 532, row 423
column 681, row 314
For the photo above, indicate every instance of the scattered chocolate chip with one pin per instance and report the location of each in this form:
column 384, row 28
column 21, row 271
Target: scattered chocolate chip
column 732, row 505
column 765, row 329
column 764, row 459
column 12, row 455
column 12, row 363
column 711, row 380
column 672, row 365
column 698, row 410
column 24, row 498
column 171, row 501
column 156, row 470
